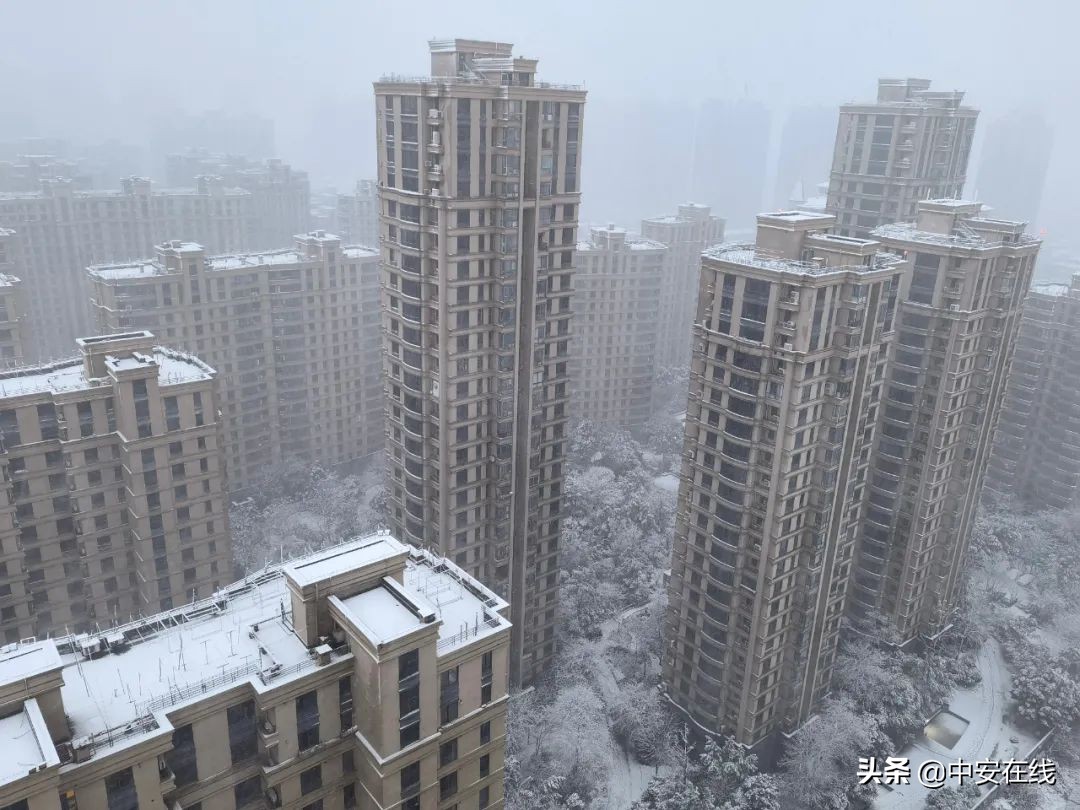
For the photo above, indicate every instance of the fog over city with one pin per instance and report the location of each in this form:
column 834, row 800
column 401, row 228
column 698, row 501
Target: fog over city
column 114, row 68
column 539, row 406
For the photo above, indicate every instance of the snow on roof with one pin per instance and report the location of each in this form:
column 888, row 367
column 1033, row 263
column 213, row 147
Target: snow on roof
column 962, row 237
column 360, row 252
column 27, row 744
column 174, row 368
column 346, row 557
column 8, row 280
column 1051, row 289
column 467, row 608
column 23, row 749
column 750, row 256
column 383, row 612
column 21, row 661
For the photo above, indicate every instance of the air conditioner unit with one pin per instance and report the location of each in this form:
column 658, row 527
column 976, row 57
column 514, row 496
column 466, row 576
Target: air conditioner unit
column 954, row 307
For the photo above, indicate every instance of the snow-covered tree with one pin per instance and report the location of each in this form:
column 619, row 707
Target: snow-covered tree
column 817, row 766
column 724, row 776
column 953, row 798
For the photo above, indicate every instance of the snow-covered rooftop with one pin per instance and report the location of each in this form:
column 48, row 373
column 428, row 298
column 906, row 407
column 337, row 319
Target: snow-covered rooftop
column 232, row 261
column 174, row 368
column 117, row 682
column 750, row 256
column 1051, row 289
column 27, row 745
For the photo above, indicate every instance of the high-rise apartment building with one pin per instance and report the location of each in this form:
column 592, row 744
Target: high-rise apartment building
column 912, row 144
column 61, row 231
column 14, row 325
column 791, row 343
column 365, row 676
column 1036, row 455
column 616, row 306
column 686, row 235
column 479, row 175
column 281, row 195
column 295, row 335
column 357, row 214
column 945, row 387
column 115, row 501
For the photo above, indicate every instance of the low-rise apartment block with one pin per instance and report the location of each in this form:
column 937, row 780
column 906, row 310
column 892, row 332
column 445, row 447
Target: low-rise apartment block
column 616, row 306
column 369, row 675
column 113, row 501
column 295, row 335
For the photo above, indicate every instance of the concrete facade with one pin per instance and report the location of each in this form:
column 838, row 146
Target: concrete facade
column 61, row 231
column 294, row 333
column 686, row 235
column 943, row 396
column 616, row 306
column 339, row 680
column 479, row 177
column 114, row 502
column 15, row 335
column 911, row 144
column 356, row 216
column 791, row 342
column 1036, row 454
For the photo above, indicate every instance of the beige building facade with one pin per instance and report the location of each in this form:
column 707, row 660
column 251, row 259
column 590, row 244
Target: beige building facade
column 944, row 393
column 368, row 676
column 356, row 215
column 686, row 234
column 295, row 335
column 791, row 343
column 114, row 498
column 911, row 144
column 479, row 176
column 15, row 335
column 616, row 306
column 61, row 231
column 1036, row 455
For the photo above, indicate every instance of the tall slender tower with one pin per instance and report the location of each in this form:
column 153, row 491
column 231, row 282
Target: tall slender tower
column 479, row 178
column 912, row 144
column 791, row 341
column 945, row 388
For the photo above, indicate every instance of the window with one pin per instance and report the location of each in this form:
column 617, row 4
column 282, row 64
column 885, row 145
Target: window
column 311, row 780
column 485, row 797
column 346, row 702
column 486, row 678
column 485, row 765
column 485, row 733
column 448, row 752
column 315, row 805
column 182, row 757
column 448, row 785
column 242, row 742
column 248, row 791
column 307, row 720
column 348, row 795
column 448, row 696
column 120, row 791
column 410, row 780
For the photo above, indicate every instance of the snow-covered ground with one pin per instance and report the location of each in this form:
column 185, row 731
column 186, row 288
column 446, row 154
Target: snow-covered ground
column 627, row 778
column 988, row 735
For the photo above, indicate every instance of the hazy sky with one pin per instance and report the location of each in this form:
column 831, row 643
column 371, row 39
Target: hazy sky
column 92, row 70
